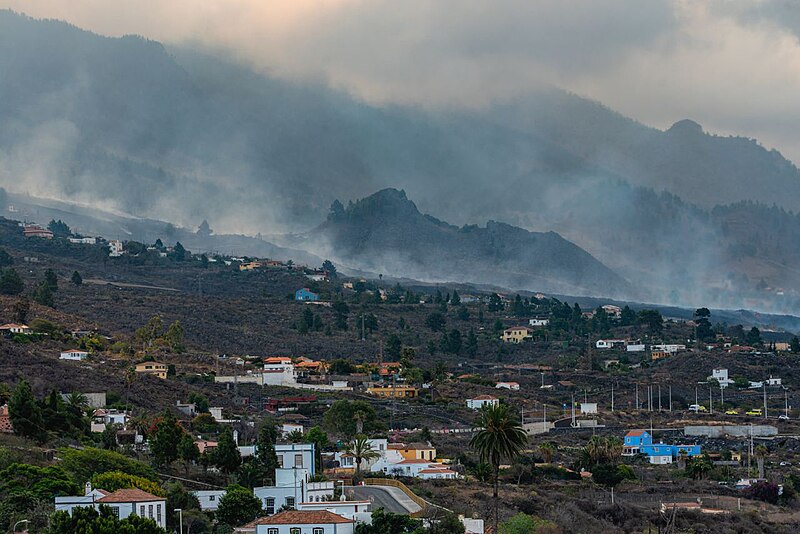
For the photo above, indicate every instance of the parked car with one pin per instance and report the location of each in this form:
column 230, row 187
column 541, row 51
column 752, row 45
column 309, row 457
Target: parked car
column 784, row 464
column 732, row 412
column 783, row 416
column 697, row 408
column 754, row 411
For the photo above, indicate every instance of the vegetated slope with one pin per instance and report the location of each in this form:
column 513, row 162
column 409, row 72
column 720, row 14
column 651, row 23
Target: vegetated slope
column 386, row 233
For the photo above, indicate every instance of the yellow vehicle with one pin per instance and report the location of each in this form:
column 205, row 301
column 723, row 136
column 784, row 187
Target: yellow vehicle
column 731, row 412
column 754, row 411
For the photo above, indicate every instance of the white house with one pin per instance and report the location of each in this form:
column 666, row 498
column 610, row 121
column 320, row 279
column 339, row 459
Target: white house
column 482, row 400
column 296, row 468
column 612, row 311
column 609, row 343
column 14, row 328
column 101, row 418
column 471, row 525
column 661, row 459
column 588, row 407
column 514, row 386
column 721, row 376
column 672, row 348
column 773, row 381
column 74, row 354
column 635, row 347
column 279, row 371
column 437, row 472
column 115, row 248
column 304, row 522
column 288, row 428
column 538, row 322
column 123, row 503
column 83, row 240
column 209, row 499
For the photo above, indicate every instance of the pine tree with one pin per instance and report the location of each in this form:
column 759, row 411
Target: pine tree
column 11, row 283
column 76, row 278
column 25, row 414
column 165, row 439
column 226, row 455
column 43, row 295
column 51, row 279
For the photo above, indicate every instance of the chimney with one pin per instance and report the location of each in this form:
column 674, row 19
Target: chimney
column 88, row 488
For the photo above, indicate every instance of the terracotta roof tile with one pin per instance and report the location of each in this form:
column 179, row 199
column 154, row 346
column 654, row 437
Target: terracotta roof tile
column 301, row 517
column 130, row 495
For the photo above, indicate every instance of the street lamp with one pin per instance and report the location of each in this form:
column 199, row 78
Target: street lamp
column 180, row 520
column 17, row 523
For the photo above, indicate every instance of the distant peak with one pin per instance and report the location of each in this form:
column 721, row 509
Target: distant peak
column 686, row 126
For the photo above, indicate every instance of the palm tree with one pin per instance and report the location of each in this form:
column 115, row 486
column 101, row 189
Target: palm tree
column 547, row 450
column 77, row 401
column 761, row 453
column 700, row 467
column 359, row 417
column 361, row 449
column 682, row 455
column 130, row 378
column 501, row 438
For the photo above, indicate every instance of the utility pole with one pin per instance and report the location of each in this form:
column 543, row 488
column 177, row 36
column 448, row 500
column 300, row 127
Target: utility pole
column 637, row 397
column 696, row 403
column 544, row 415
column 721, row 397
column 612, row 397
column 786, row 399
column 710, row 400
column 363, row 334
column 659, row 397
column 670, row 397
column 573, row 410
column 765, row 398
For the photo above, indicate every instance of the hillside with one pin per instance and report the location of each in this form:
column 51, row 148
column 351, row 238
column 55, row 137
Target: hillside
column 386, row 233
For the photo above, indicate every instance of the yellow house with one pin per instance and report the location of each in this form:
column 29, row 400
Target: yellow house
column 658, row 354
column 253, row 265
column 415, row 451
column 516, row 334
column 398, row 392
column 152, row 368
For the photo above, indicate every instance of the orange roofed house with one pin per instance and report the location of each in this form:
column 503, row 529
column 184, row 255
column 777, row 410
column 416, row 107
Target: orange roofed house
column 123, row 503
column 300, row 522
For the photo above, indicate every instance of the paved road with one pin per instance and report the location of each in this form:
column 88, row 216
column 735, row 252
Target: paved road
column 389, row 498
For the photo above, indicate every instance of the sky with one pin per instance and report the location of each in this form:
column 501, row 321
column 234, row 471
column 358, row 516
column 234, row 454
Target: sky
column 731, row 65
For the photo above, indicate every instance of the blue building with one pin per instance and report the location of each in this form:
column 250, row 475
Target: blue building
column 641, row 442
column 305, row 295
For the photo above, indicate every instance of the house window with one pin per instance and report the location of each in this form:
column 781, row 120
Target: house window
column 294, row 530
column 269, row 505
column 150, row 511
column 212, row 497
column 272, row 531
column 298, row 460
column 318, row 531
column 141, row 510
column 115, row 511
column 158, row 514
column 290, row 502
column 280, row 461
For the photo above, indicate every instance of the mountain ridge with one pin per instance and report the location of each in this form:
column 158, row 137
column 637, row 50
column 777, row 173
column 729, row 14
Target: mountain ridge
column 387, row 232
